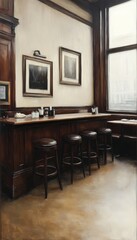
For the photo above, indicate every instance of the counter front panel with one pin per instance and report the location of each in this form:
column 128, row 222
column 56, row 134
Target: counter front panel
column 18, row 135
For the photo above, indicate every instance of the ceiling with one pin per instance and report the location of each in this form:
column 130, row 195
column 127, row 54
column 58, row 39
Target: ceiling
column 84, row 4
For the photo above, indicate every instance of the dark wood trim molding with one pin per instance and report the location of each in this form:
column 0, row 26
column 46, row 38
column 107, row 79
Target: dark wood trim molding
column 96, row 58
column 99, row 59
column 120, row 49
column 65, row 11
column 106, row 3
column 7, row 35
column 12, row 21
column 58, row 110
column 110, row 3
column 100, row 51
column 83, row 4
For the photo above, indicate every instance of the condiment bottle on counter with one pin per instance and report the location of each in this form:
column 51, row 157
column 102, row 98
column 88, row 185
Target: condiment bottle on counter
column 41, row 112
column 51, row 112
column 46, row 110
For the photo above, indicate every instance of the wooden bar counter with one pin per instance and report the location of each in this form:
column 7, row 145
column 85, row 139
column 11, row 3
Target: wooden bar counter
column 16, row 140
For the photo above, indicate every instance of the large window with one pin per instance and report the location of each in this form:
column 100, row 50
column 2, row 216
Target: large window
column 122, row 57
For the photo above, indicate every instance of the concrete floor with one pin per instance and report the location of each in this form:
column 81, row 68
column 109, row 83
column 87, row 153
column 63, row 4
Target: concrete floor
column 100, row 207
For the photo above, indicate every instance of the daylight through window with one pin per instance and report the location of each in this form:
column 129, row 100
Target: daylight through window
column 122, row 57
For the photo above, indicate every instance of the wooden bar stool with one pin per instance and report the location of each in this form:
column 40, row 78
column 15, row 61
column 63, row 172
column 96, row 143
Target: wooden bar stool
column 90, row 148
column 73, row 156
column 45, row 150
column 105, row 143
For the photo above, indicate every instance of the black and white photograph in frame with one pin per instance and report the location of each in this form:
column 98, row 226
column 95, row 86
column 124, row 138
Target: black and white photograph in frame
column 69, row 67
column 37, row 77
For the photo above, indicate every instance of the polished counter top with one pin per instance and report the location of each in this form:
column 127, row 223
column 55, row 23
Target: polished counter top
column 58, row 117
column 132, row 122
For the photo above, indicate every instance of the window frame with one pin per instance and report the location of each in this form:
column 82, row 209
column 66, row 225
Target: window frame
column 100, row 60
column 111, row 51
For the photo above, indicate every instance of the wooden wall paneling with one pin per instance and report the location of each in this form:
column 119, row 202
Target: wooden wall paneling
column 5, row 28
column 17, row 170
column 99, row 58
column 64, row 129
column 96, row 59
column 3, row 143
column 5, row 156
column 36, row 131
column 7, row 7
column 12, row 154
column 7, row 66
column 7, row 54
column 17, row 150
column 6, row 160
column 5, row 60
column 86, row 124
column 22, row 183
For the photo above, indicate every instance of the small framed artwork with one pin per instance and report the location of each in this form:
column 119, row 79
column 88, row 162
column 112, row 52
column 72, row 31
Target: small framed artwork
column 4, row 93
column 37, row 77
column 69, row 67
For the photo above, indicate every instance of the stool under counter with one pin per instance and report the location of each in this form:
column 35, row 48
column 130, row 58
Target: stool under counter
column 105, row 144
column 45, row 151
column 73, row 156
column 90, row 148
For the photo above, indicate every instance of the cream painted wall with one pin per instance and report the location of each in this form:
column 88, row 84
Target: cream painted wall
column 41, row 27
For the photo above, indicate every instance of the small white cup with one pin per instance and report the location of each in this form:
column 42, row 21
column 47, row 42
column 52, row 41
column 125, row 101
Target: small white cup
column 96, row 110
column 33, row 114
column 41, row 111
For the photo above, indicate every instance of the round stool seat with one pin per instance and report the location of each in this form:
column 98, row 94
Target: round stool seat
column 45, row 142
column 88, row 134
column 104, row 131
column 72, row 138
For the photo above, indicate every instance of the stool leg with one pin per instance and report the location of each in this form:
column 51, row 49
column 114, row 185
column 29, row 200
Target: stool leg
column 96, row 146
column 58, row 171
column 72, row 155
column 100, row 151
column 62, row 157
column 33, row 167
column 88, row 153
column 105, row 150
column 45, row 177
column 112, row 153
column 82, row 162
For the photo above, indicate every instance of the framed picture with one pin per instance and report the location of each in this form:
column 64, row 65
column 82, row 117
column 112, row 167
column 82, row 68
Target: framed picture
column 37, row 77
column 69, row 67
column 4, row 93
